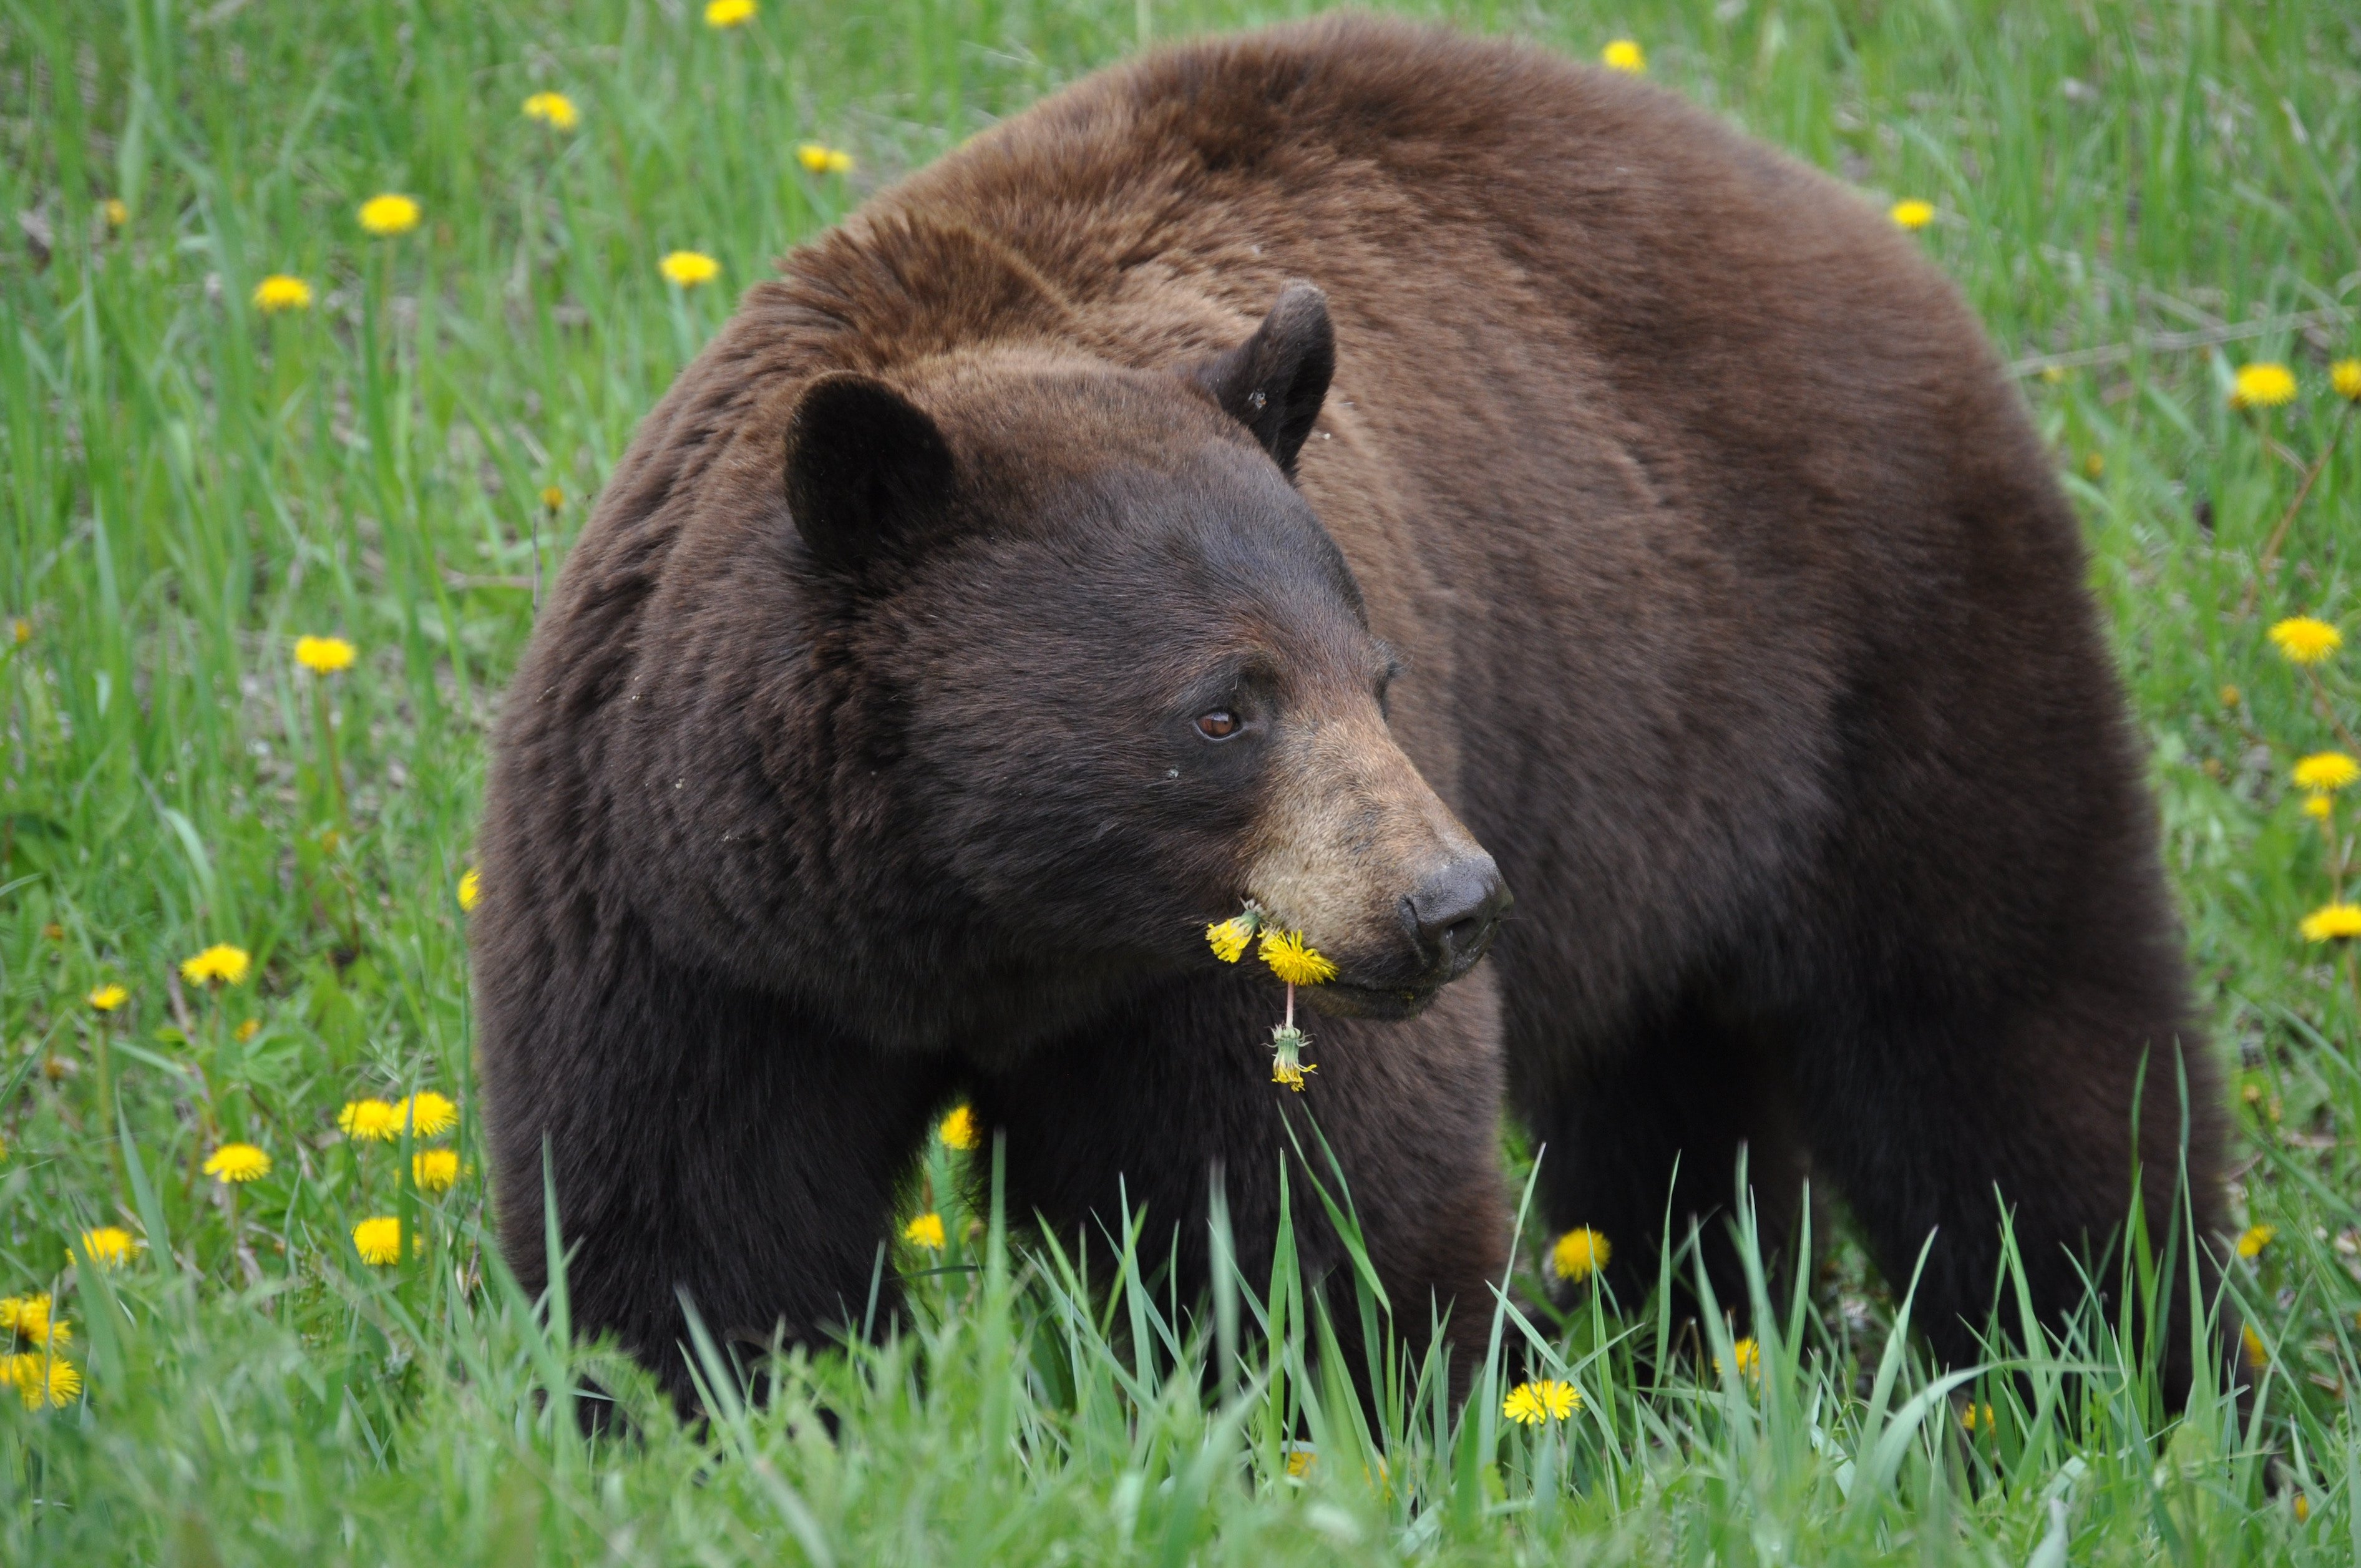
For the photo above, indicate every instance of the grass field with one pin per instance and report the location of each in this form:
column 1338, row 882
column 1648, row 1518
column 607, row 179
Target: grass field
column 2142, row 200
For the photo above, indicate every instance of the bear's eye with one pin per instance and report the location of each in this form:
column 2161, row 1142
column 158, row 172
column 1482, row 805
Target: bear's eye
column 1218, row 724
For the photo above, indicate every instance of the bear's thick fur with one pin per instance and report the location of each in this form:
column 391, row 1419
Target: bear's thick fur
column 995, row 602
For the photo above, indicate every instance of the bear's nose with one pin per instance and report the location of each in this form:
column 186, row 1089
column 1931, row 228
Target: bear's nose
column 1451, row 916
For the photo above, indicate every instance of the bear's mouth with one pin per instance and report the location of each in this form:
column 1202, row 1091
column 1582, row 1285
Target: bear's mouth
column 1343, row 999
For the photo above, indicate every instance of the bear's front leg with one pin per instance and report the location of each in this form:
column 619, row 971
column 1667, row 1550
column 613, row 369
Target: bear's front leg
column 702, row 1140
column 1146, row 1108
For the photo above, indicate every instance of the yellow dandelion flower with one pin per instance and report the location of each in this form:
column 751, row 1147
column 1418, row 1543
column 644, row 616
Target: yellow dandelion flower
column 1530, row 1404
column 2332, row 923
column 2317, row 805
column 108, row 998
column 471, row 888
column 42, row 1380
column 428, row 1115
column 821, row 158
column 2264, row 384
column 117, row 214
column 1624, row 54
column 2258, row 1356
column 238, row 1162
column 1300, row 1457
column 2345, row 380
column 555, row 110
column 959, row 1131
column 689, row 268
column 2326, row 772
column 370, row 1120
column 1294, row 961
column 1749, row 1357
column 378, row 1241
column 2303, row 640
column 219, row 964
column 323, row 655
column 1912, row 212
column 925, row 1231
column 108, row 1246
column 27, row 1317
column 728, row 13
column 434, row 1169
column 389, row 214
column 1579, row 1253
column 1228, row 938
column 552, row 497
column 2254, row 1239
column 1976, row 1415
column 280, row 292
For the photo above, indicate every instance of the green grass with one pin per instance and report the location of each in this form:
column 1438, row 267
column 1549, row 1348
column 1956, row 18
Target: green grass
column 186, row 486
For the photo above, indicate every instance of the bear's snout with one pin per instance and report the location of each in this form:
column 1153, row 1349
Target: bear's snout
column 1451, row 916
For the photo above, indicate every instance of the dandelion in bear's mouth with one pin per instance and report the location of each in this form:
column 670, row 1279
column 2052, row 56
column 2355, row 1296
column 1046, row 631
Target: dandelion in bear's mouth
column 1294, row 961
column 1229, row 938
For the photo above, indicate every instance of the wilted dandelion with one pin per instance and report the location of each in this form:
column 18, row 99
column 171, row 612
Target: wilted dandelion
column 1530, row 1404
column 2265, row 384
column 2304, row 640
column 108, row 998
column 238, row 1163
column 323, row 655
column 1624, row 54
column 388, row 215
column 378, row 1241
column 959, row 1131
column 555, row 110
column 428, row 1115
column 42, row 1380
column 1579, row 1253
column 728, row 13
column 370, row 1120
column 2254, row 1238
column 689, row 268
column 2326, row 772
column 281, row 292
column 821, row 158
column 925, row 1231
column 434, row 1170
column 108, row 1246
column 1912, row 212
column 2332, row 923
column 220, row 964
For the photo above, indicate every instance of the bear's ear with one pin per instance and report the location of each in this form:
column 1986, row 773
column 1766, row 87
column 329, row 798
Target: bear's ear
column 868, row 473
column 1273, row 383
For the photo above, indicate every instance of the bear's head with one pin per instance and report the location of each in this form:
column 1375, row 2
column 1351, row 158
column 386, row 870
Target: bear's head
column 1133, row 679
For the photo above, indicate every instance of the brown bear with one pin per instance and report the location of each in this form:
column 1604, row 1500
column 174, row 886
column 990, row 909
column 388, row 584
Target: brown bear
column 1364, row 470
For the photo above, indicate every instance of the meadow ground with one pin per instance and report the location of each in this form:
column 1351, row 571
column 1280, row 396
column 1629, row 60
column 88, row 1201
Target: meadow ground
column 198, row 469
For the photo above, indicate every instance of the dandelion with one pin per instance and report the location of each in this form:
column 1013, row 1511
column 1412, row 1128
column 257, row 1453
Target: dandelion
column 925, row 1231
column 552, row 497
column 370, row 1120
column 2302, row 1507
column 1530, row 1404
column 821, row 158
column 2258, row 1356
column 238, row 1163
column 2095, row 465
column 27, row 1317
column 108, row 1246
column 1579, row 1253
column 388, row 215
column 2264, row 384
column 958, row 1130
column 1625, row 54
column 378, row 1241
column 2326, row 772
column 1976, row 1415
column 428, row 1115
column 1228, row 938
column 117, row 215
column 689, row 268
column 42, row 1380
column 219, row 964
column 1293, row 960
column 280, row 292
column 2303, row 640
column 471, row 888
column 728, row 13
column 434, row 1170
column 248, row 1030
column 1912, row 212
column 108, row 998
column 1286, row 1043
column 2232, row 696
column 555, row 110
column 2345, row 380
column 2332, row 923
column 1300, row 1457
column 323, row 655
column 1747, row 1354
column 2254, row 1239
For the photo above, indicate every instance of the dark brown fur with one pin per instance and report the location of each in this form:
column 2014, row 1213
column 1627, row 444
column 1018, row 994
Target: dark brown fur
column 1738, row 618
